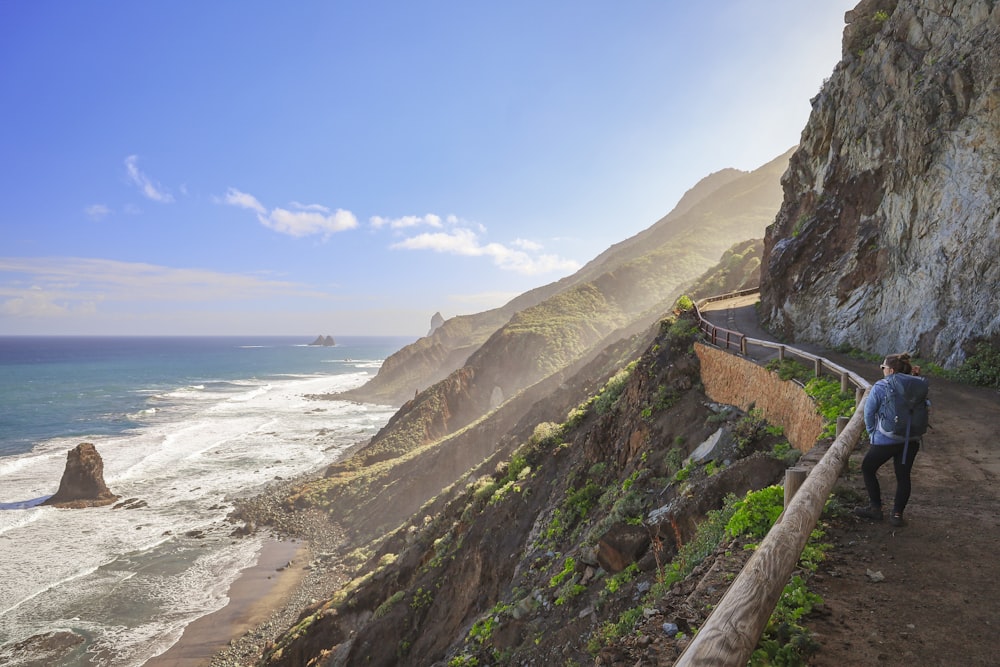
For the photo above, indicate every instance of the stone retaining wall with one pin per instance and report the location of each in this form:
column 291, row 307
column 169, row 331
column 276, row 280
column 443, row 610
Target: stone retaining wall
column 735, row 381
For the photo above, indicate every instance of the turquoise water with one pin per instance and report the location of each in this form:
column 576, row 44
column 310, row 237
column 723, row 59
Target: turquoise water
column 78, row 386
column 184, row 424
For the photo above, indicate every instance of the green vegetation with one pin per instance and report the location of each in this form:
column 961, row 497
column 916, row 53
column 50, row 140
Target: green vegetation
column 386, row 606
column 785, row 452
column 710, row 533
column 982, row 367
column 747, row 430
column 831, row 402
column 613, row 388
column 785, row 641
column 756, row 513
column 569, row 567
column 616, row 581
column 664, row 400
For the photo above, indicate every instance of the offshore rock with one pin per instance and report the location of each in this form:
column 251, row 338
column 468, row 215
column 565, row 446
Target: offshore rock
column 886, row 240
column 325, row 341
column 82, row 483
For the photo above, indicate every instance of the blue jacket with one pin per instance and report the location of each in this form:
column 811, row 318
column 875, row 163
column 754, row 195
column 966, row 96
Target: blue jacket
column 873, row 408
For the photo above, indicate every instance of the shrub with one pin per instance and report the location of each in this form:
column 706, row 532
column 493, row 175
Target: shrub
column 614, row 387
column 982, row 367
column 757, row 512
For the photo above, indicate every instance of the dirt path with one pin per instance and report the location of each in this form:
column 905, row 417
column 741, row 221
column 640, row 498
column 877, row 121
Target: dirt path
column 927, row 593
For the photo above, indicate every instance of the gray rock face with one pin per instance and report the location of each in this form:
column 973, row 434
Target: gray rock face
column 889, row 233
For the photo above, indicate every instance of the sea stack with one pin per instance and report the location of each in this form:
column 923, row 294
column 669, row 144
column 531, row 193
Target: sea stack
column 82, row 482
column 325, row 341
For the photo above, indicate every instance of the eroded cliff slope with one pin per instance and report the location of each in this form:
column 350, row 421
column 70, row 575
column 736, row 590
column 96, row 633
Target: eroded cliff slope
column 887, row 239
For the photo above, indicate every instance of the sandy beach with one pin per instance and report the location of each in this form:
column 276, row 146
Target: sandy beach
column 254, row 596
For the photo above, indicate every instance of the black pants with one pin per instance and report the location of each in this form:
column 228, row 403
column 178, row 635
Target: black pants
column 877, row 456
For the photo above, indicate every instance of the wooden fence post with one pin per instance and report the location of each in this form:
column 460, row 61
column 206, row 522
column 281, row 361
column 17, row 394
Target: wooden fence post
column 732, row 630
column 793, row 480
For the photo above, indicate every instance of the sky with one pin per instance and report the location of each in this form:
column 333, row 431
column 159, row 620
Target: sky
column 350, row 168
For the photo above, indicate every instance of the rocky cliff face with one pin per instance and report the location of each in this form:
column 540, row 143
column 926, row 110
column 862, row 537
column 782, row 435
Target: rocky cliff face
column 533, row 555
column 887, row 239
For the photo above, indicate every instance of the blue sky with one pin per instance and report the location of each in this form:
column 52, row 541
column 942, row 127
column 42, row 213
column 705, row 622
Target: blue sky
column 352, row 167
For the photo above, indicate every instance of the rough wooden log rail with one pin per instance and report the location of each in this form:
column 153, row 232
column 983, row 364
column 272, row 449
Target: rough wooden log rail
column 734, row 627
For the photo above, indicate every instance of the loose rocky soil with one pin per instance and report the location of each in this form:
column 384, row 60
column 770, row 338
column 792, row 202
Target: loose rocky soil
column 937, row 600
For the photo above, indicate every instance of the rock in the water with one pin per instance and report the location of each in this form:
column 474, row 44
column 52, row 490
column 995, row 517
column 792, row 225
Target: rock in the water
column 82, row 483
column 49, row 648
column 325, row 341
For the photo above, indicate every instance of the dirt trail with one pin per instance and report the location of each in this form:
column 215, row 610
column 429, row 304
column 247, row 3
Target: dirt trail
column 927, row 593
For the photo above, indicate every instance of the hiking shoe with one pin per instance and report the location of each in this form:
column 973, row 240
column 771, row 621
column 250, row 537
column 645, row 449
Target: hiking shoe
column 896, row 519
column 869, row 512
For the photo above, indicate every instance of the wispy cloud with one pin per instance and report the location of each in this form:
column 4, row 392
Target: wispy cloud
column 56, row 286
column 526, row 258
column 304, row 220
column 407, row 221
column 148, row 188
column 97, row 211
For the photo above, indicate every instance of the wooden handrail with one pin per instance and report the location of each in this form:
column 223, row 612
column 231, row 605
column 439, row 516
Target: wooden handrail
column 731, row 632
column 719, row 335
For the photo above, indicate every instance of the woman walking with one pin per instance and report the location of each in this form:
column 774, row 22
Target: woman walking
column 886, row 441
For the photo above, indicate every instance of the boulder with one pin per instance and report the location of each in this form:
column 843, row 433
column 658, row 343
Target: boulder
column 82, row 483
column 621, row 546
column 717, row 447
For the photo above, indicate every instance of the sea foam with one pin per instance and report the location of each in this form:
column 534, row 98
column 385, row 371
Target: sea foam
column 130, row 579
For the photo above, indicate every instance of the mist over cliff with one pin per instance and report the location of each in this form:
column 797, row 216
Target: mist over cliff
column 887, row 239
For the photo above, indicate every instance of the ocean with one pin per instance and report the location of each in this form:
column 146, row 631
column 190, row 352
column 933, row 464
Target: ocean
column 184, row 425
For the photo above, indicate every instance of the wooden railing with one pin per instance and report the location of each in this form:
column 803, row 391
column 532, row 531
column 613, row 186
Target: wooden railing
column 734, row 627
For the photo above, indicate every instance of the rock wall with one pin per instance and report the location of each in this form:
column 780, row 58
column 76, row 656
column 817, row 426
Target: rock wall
column 887, row 239
column 730, row 379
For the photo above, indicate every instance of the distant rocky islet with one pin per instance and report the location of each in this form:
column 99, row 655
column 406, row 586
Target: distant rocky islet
column 324, row 341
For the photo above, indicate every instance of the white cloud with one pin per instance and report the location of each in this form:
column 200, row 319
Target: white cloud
column 307, row 223
column 97, row 211
column 148, row 188
column 465, row 242
column 305, row 220
column 234, row 197
column 525, row 244
column 430, row 220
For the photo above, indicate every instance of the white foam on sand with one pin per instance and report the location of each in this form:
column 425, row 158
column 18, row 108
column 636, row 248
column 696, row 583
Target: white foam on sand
column 81, row 568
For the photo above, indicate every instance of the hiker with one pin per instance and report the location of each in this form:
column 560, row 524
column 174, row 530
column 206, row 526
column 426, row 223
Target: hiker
column 888, row 442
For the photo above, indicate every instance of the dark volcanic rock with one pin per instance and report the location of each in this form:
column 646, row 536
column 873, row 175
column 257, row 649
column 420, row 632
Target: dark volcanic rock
column 41, row 650
column 82, row 482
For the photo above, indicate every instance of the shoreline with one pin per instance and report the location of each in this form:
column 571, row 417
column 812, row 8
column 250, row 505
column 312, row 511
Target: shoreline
column 257, row 593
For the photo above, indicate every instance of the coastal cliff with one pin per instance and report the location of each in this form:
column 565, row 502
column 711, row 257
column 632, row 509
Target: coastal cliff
column 531, row 490
column 549, row 335
column 887, row 237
